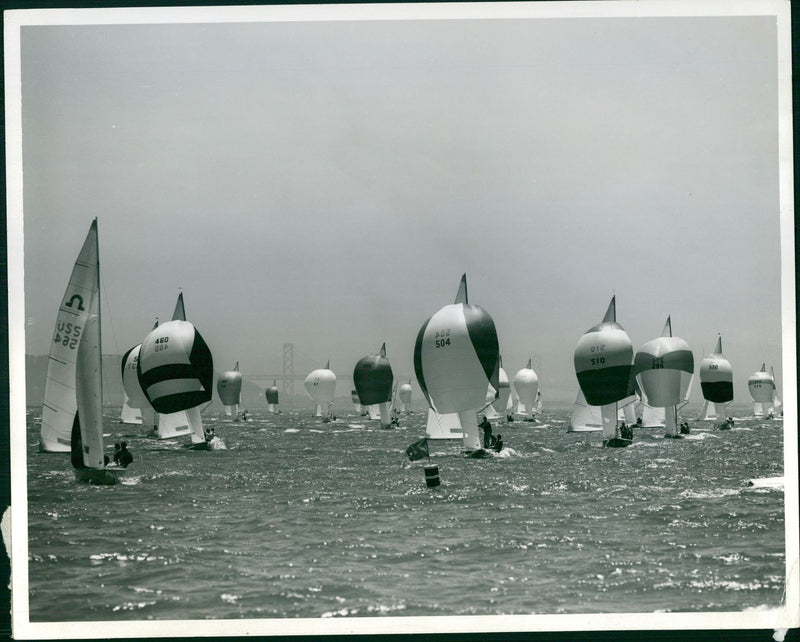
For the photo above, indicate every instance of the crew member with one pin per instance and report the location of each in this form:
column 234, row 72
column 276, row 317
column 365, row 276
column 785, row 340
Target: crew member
column 486, row 426
column 498, row 443
column 125, row 456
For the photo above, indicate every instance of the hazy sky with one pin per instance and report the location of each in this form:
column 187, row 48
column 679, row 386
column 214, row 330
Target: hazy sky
column 327, row 183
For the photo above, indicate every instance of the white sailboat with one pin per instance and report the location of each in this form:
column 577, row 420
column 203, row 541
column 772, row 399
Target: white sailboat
column 86, row 432
column 60, row 404
column 526, row 386
column 762, row 389
column 320, row 385
column 229, row 389
column 603, row 360
column 176, row 372
column 456, row 356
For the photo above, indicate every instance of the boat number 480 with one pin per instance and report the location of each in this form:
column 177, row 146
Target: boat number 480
column 442, row 338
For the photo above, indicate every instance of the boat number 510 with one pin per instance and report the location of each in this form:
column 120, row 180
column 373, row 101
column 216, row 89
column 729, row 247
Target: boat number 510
column 442, row 338
column 598, row 361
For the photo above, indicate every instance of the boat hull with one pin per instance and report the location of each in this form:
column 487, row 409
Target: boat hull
column 99, row 476
column 617, row 442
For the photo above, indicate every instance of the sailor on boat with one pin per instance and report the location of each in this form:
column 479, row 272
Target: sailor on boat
column 117, row 452
column 685, row 430
column 209, row 434
column 486, row 426
column 498, row 443
column 125, row 456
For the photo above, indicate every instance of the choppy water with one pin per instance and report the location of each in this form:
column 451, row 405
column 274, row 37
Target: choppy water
column 294, row 518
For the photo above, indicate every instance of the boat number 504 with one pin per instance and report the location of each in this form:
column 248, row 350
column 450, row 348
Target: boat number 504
column 442, row 338
column 162, row 344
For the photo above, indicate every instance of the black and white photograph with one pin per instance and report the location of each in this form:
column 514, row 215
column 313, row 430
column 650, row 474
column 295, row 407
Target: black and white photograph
column 401, row 318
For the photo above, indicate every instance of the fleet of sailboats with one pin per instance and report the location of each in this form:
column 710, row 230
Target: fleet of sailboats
column 168, row 376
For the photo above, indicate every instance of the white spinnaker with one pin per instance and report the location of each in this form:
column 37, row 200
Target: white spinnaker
column 585, row 418
column 173, row 424
column 60, row 405
column 445, row 426
column 89, row 388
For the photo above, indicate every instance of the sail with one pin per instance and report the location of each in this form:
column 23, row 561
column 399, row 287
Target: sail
column 664, row 369
column 652, row 417
column 373, row 378
column 603, row 359
column 173, row 424
column 504, row 390
column 374, row 411
column 456, row 354
column 229, row 388
column 272, row 396
column 175, row 367
column 405, row 396
column 443, row 426
column 320, row 385
column 135, row 399
column 777, row 404
column 60, row 405
column 712, row 411
column 584, row 418
column 762, row 388
column 526, row 385
column 128, row 414
column 716, row 376
column 89, row 387
column 491, row 398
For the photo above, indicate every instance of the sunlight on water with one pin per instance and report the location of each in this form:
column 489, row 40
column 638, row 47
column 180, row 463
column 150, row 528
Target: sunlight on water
column 290, row 517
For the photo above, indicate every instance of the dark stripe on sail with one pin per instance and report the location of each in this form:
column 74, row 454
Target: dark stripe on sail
column 63, row 363
column 201, row 358
column 167, row 373
column 601, row 387
column 180, row 401
column 717, row 391
column 483, row 335
column 373, row 380
column 418, row 361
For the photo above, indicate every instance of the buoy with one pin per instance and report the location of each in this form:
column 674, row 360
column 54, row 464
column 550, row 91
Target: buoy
column 432, row 476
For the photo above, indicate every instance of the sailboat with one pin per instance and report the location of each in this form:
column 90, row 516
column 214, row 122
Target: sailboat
column 229, row 389
column 456, row 355
column 74, row 389
column 60, row 403
column 761, row 385
column 405, row 396
column 176, row 372
column 526, row 385
column 603, row 360
column 716, row 382
column 664, row 368
column 320, row 385
column 373, row 379
column 271, row 394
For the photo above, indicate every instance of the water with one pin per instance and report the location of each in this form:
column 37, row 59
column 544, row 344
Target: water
column 294, row 518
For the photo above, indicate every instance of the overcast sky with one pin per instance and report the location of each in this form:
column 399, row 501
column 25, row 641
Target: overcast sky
column 327, row 183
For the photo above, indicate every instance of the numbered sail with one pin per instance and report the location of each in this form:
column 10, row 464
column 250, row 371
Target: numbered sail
column 664, row 368
column 60, row 405
column 229, row 389
column 762, row 389
column 456, row 355
column 175, row 367
column 603, row 360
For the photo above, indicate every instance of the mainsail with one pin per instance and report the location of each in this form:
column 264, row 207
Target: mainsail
column 445, row 426
column 60, row 405
column 584, row 418
column 456, row 355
